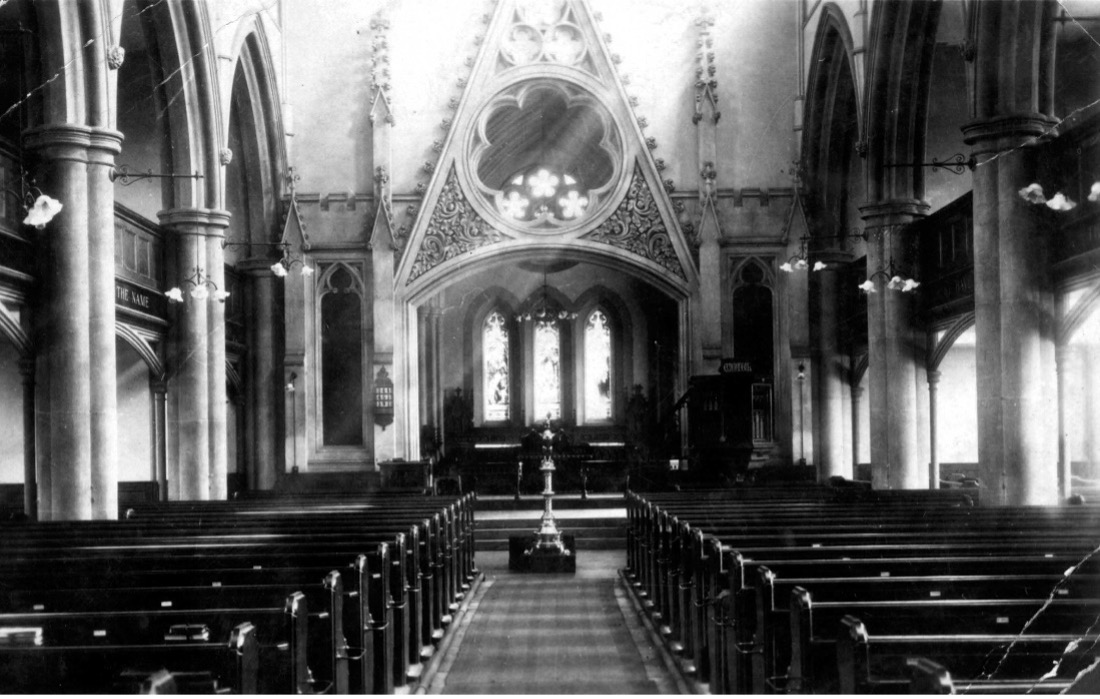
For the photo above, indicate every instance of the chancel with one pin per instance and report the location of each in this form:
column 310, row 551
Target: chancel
column 330, row 332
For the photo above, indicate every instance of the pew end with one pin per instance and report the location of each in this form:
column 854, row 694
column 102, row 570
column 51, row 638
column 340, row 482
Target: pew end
column 928, row 677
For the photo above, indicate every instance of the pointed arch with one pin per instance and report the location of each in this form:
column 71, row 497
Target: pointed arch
column 622, row 326
column 11, row 329
column 755, row 309
column 1075, row 317
column 255, row 138
column 833, row 123
column 343, row 335
column 177, row 43
column 141, row 345
column 899, row 74
column 478, row 310
column 940, row 349
column 859, row 368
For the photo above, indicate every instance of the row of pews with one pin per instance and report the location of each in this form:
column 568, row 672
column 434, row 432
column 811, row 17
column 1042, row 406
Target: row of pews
column 317, row 594
column 823, row 590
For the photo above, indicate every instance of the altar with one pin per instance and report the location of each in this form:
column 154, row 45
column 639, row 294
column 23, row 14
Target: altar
column 498, row 468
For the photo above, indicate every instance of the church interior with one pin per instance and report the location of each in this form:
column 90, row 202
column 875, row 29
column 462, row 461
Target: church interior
column 748, row 344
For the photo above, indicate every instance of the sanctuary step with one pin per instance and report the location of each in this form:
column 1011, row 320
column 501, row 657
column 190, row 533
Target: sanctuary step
column 598, row 523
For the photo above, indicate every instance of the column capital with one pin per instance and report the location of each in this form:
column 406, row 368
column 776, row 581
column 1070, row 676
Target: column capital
column 894, row 212
column 59, row 141
column 158, row 386
column 1062, row 354
column 27, row 367
column 195, row 221
column 934, row 378
column 106, row 141
column 1008, row 131
column 833, row 257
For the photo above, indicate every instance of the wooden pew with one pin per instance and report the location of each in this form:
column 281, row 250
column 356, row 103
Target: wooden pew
column 676, row 566
column 282, row 633
column 978, row 663
column 169, row 563
column 221, row 557
column 813, row 624
column 81, row 669
column 767, row 639
column 251, row 564
column 161, row 558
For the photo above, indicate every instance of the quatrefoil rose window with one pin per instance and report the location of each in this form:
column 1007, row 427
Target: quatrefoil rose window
column 546, row 156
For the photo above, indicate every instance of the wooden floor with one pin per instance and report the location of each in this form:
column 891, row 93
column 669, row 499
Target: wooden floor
column 552, row 634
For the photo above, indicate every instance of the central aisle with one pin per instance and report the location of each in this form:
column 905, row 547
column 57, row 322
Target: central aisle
column 552, row 634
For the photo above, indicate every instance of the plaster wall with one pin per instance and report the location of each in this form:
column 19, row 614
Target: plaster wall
column 135, row 410
column 330, row 45
column 957, row 402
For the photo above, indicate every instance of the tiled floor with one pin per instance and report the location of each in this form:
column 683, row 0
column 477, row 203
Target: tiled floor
column 552, row 634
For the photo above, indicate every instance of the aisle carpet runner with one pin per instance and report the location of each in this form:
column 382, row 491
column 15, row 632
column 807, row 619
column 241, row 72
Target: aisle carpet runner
column 532, row 634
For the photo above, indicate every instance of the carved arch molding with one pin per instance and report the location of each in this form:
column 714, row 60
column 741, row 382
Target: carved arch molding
column 634, row 227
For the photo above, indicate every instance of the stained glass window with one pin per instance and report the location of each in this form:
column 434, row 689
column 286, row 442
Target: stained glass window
column 547, row 370
column 542, row 193
column 597, row 367
column 494, row 348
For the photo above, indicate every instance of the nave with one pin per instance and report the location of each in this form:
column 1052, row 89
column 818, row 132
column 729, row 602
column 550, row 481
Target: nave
column 795, row 588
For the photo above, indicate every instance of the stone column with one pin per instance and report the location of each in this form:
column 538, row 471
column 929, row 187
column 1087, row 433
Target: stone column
column 427, row 385
column 1090, row 375
column 105, row 145
column 42, row 433
column 1065, row 463
column 1014, row 310
column 30, row 476
column 62, row 151
column 857, row 394
column 933, row 433
column 215, row 270
column 1013, row 99
column 265, row 377
column 160, row 455
column 891, row 345
column 188, row 227
column 829, row 372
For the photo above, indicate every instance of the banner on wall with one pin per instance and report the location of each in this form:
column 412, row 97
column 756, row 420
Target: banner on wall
column 135, row 298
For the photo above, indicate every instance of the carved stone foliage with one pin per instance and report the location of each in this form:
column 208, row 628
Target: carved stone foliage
column 636, row 226
column 455, row 228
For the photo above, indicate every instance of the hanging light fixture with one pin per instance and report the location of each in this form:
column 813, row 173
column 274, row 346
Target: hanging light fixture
column 800, row 261
column 544, row 309
column 896, row 280
column 39, row 207
column 286, row 262
column 201, row 286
